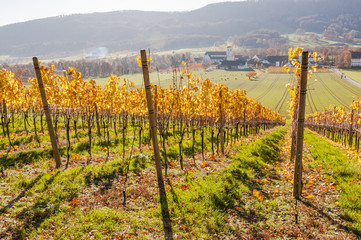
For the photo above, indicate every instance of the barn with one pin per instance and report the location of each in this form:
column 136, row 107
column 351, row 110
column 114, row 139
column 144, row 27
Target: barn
column 355, row 59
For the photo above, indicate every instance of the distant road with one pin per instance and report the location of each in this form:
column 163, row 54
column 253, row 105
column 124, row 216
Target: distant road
column 347, row 78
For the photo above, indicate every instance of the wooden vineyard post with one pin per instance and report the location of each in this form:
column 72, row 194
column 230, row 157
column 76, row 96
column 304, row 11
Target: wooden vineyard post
column 244, row 116
column 97, row 120
column 47, row 111
column 156, row 102
column 351, row 129
column 153, row 129
column 221, row 126
column 297, row 182
column 5, row 116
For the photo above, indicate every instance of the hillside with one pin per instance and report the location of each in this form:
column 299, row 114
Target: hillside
column 215, row 23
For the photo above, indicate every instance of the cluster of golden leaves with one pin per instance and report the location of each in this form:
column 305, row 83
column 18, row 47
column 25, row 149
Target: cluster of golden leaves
column 294, row 57
column 10, row 87
column 337, row 116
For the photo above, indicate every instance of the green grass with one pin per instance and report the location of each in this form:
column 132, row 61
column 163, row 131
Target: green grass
column 199, row 203
column 43, row 208
column 313, row 40
column 324, row 89
column 204, row 205
column 353, row 74
column 51, row 192
column 345, row 172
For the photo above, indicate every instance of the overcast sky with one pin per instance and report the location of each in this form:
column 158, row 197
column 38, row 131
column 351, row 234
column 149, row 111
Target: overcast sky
column 12, row 11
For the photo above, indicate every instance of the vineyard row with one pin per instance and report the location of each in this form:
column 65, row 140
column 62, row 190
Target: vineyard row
column 338, row 125
column 197, row 107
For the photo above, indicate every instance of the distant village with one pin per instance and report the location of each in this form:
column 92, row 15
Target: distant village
column 226, row 60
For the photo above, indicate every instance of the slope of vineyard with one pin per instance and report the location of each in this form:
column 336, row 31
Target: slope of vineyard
column 87, row 200
column 102, row 133
column 248, row 193
column 106, row 186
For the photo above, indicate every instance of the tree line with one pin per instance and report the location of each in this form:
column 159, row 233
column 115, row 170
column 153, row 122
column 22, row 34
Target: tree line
column 103, row 66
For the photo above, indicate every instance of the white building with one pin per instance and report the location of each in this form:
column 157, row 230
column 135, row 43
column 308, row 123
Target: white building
column 233, row 65
column 230, row 56
column 219, row 56
column 355, row 59
column 216, row 57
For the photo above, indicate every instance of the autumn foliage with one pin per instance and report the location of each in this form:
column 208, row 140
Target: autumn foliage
column 276, row 70
column 251, row 75
column 71, row 93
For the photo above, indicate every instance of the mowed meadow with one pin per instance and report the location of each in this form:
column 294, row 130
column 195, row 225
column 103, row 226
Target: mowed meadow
column 324, row 88
column 354, row 74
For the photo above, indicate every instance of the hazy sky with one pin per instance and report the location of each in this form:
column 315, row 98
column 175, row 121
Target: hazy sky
column 12, row 11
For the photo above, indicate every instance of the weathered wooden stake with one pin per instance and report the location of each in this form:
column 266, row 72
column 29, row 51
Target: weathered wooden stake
column 351, row 129
column 4, row 116
column 297, row 183
column 244, row 116
column 97, row 120
column 221, row 126
column 47, row 111
column 156, row 102
column 153, row 129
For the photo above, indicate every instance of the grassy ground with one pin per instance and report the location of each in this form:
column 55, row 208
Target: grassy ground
column 353, row 74
column 324, row 89
column 87, row 199
column 245, row 195
column 313, row 40
column 345, row 175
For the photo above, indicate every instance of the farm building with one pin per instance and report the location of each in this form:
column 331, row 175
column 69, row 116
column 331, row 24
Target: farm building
column 216, row 57
column 276, row 61
column 219, row 56
column 257, row 58
column 198, row 60
column 233, row 65
column 241, row 57
column 355, row 59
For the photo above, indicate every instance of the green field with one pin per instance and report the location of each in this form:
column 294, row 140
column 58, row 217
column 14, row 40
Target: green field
column 324, row 89
column 312, row 40
column 353, row 74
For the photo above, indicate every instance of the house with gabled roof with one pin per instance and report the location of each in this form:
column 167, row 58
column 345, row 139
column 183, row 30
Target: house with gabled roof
column 355, row 59
column 257, row 58
column 241, row 57
column 226, row 60
column 233, row 65
column 276, row 61
column 217, row 56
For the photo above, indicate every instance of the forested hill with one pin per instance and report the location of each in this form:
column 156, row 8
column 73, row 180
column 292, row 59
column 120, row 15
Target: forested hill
column 133, row 30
